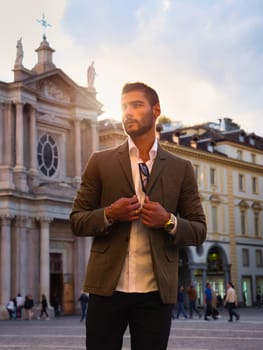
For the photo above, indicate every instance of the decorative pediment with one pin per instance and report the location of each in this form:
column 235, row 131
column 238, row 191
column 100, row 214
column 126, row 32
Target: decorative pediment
column 51, row 90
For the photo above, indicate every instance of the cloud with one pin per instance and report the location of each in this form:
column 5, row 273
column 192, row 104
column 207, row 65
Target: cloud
column 205, row 58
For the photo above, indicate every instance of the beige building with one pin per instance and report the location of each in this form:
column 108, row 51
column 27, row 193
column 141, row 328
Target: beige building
column 229, row 170
column 48, row 128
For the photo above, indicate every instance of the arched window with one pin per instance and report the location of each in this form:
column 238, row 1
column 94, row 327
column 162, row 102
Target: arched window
column 47, row 155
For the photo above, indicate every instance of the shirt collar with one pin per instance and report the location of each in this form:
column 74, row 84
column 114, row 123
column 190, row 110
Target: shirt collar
column 134, row 150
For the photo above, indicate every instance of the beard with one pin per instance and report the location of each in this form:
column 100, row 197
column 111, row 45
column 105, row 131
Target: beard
column 144, row 125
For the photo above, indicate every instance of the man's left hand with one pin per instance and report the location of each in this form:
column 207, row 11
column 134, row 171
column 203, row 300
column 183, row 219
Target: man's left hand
column 153, row 214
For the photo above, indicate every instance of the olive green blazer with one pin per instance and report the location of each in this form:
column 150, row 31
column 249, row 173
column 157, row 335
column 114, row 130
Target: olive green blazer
column 108, row 177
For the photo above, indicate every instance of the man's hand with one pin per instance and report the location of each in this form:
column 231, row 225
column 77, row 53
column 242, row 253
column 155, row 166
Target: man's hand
column 124, row 209
column 153, row 214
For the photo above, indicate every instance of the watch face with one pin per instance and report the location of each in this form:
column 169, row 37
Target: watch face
column 169, row 226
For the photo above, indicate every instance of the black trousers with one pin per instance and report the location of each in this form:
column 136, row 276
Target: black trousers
column 149, row 321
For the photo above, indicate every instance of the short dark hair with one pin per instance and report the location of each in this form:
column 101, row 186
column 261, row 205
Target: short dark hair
column 149, row 92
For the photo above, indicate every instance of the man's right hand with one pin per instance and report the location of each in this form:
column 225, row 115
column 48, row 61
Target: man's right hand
column 124, row 209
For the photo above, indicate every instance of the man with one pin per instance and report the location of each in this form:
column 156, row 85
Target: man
column 140, row 203
column 208, row 301
column 192, row 295
column 231, row 302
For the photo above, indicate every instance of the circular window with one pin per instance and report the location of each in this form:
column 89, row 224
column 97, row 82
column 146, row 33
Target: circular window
column 47, row 155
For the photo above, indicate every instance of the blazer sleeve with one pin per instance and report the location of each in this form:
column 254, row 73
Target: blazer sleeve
column 191, row 221
column 87, row 216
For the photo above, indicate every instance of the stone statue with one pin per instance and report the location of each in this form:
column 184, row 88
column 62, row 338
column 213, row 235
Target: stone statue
column 91, row 75
column 19, row 53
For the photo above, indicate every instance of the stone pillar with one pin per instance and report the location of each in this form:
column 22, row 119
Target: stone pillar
column 7, row 136
column 20, row 257
column 19, row 170
column 19, row 137
column 6, row 139
column 5, row 259
column 44, row 257
column 77, row 151
column 33, row 172
column 94, row 136
column 2, row 138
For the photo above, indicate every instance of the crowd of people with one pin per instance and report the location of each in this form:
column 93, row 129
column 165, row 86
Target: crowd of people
column 189, row 297
column 212, row 303
column 22, row 307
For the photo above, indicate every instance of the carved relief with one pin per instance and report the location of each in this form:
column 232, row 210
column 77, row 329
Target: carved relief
column 51, row 90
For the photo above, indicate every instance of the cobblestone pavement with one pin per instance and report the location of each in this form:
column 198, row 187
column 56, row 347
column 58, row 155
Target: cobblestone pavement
column 67, row 333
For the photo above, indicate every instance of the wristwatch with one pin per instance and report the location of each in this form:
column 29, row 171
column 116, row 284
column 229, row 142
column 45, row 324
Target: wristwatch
column 170, row 224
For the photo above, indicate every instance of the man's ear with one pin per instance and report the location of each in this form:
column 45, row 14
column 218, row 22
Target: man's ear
column 156, row 110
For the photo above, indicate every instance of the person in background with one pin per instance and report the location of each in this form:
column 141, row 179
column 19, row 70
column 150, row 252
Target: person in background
column 11, row 308
column 208, row 297
column 20, row 303
column 28, row 306
column 44, row 306
column 258, row 298
column 192, row 295
column 180, row 303
column 215, row 311
column 83, row 299
column 141, row 204
column 55, row 304
column 231, row 301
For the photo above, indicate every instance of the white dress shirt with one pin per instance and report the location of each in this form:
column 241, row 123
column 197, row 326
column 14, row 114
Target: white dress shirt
column 137, row 273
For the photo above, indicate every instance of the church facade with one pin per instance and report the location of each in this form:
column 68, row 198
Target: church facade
column 48, row 129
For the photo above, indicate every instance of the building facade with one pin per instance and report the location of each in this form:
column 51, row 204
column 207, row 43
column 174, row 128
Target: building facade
column 48, row 128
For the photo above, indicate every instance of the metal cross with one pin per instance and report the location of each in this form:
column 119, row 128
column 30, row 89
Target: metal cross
column 44, row 24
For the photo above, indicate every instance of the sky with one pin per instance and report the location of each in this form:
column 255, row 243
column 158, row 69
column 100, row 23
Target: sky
column 203, row 57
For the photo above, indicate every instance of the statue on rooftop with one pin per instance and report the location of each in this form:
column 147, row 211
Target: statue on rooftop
column 91, row 75
column 19, row 53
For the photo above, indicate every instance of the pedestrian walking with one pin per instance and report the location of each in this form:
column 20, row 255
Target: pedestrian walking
column 28, row 306
column 192, row 296
column 180, row 303
column 208, row 297
column 231, row 302
column 83, row 299
column 44, row 306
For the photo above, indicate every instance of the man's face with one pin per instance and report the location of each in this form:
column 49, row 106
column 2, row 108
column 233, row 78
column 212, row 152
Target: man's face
column 138, row 116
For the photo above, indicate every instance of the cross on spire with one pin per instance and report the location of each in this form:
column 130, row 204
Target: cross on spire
column 44, row 24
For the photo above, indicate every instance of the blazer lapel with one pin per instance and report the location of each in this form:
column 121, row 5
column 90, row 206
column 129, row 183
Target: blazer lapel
column 125, row 163
column 157, row 167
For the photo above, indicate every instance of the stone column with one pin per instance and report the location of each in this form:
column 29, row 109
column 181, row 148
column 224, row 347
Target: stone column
column 19, row 170
column 33, row 172
column 8, row 134
column 20, row 256
column 5, row 259
column 6, row 139
column 94, row 135
column 44, row 257
column 2, row 138
column 19, row 137
column 24, row 254
column 77, row 150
